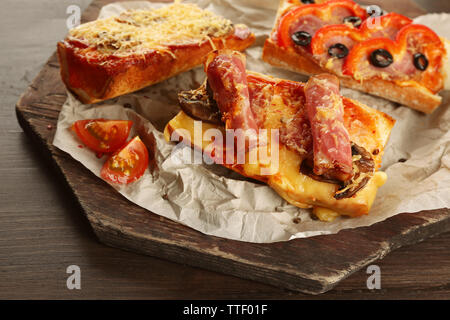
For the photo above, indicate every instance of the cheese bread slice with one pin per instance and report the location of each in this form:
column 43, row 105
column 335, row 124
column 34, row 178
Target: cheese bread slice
column 109, row 57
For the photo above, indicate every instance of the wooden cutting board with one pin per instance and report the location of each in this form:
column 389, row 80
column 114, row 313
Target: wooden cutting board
column 313, row 265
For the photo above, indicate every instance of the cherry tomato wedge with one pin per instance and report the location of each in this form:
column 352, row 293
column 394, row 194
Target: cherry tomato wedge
column 103, row 136
column 127, row 164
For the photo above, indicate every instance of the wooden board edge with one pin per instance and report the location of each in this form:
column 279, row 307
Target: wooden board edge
column 113, row 236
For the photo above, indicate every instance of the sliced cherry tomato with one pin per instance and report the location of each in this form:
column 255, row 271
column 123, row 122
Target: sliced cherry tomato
column 311, row 17
column 127, row 164
column 103, row 136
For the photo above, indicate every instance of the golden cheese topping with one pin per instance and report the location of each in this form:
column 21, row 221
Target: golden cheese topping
column 137, row 31
column 287, row 180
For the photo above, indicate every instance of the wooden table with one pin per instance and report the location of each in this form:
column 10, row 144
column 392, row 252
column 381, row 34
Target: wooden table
column 42, row 230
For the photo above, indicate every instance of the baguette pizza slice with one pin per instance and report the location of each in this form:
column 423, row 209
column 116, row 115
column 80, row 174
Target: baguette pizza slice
column 315, row 148
column 109, row 57
column 387, row 56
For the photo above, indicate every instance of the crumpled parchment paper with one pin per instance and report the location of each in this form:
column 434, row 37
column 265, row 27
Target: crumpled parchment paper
column 215, row 201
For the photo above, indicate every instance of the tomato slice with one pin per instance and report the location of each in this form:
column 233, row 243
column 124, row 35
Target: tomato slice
column 419, row 39
column 357, row 63
column 332, row 34
column 411, row 39
column 311, row 17
column 101, row 135
column 127, row 164
column 342, row 38
column 386, row 26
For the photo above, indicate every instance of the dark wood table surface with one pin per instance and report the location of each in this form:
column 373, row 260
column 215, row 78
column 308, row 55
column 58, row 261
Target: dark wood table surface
column 43, row 230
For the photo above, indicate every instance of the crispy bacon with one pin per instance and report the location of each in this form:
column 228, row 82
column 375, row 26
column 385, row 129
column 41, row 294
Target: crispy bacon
column 227, row 77
column 331, row 141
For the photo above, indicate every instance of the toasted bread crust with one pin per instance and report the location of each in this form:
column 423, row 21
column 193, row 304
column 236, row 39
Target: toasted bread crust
column 416, row 97
column 92, row 81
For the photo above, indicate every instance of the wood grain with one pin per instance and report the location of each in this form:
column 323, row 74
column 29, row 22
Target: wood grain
column 42, row 112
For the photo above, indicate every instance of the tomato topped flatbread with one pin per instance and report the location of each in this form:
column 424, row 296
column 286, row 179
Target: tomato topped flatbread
column 387, row 55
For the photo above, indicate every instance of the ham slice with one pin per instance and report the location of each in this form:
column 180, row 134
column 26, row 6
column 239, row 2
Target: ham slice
column 308, row 23
column 331, row 141
column 227, row 78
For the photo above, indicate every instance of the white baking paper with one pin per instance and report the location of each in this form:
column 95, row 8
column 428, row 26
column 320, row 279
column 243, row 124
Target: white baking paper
column 215, row 201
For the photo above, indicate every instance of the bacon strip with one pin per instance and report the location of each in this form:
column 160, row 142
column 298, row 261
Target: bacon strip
column 227, row 78
column 331, row 141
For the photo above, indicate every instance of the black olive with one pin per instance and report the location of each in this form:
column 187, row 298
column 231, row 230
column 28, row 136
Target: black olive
column 420, row 61
column 308, row 1
column 381, row 58
column 302, row 38
column 338, row 50
column 355, row 21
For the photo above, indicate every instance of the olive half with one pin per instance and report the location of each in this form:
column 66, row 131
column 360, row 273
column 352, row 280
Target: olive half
column 308, row 1
column 381, row 58
column 355, row 21
column 338, row 50
column 420, row 61
column 302, row 38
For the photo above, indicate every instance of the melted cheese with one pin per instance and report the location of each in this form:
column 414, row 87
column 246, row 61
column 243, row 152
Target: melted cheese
column 297, row 188
column 137, row 31
column 325, row 214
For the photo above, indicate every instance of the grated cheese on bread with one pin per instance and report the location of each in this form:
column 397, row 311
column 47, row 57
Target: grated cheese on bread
column 110, row 57
column 137, row 31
